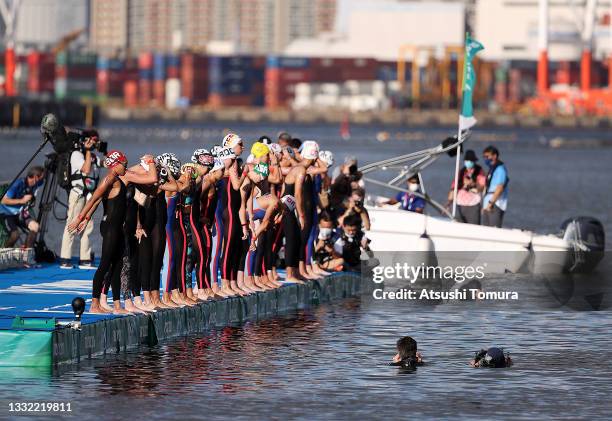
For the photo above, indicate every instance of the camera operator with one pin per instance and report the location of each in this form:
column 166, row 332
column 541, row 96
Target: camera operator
column 16, row 204
column 85, row 174
column 353, row 206
column 349, row 242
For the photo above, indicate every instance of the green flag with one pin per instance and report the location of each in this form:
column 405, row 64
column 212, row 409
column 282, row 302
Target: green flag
column 466, row 119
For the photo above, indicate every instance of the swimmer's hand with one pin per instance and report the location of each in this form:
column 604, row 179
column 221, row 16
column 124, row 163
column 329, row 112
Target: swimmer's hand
column 245, row 232
column 253, row 245
column 139, row 234
column 78, row 225
column 396, row 358
column 419, row 357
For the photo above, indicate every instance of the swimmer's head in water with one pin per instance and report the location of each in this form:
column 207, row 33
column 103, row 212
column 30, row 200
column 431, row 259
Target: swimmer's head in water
column 492, row 357
column 289, row 202
column 202, row 157
column 406, row 348
column 259, row 149
column 114, row 158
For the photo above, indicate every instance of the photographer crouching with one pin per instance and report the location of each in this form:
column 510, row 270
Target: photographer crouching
column 83, row 179
column 15, row 207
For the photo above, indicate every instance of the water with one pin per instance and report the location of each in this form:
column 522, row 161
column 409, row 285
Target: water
column 330, row 362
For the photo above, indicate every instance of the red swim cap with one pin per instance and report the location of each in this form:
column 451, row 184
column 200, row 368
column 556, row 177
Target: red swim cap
column 115, row 157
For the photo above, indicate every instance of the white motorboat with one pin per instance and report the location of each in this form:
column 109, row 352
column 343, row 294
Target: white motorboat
column 398, row 236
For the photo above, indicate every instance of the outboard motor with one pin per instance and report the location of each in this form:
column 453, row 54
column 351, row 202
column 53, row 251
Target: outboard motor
column 587, row 236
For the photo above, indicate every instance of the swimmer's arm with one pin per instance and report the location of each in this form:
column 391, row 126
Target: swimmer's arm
column 149, row 177
column 299, row 181
column 274, row 177
column 96, row 197
column 184, row 182
column 285, row 170
column 320, row 169
column 265, row 222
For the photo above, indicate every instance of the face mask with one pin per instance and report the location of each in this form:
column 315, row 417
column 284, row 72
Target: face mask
column 468, row 164
column 413, row 187
column 488, row 162
column 325, row 233
column 349, row 237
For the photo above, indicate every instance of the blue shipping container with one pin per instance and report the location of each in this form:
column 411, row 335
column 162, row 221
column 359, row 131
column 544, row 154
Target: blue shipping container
column 145, row 74
column 159, row 67
column 173, row 60
column 277, row 62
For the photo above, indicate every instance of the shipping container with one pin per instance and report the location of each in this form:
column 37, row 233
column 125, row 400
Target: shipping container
column 144, row 91
column 145, row 61
column 159, row 92
column 41, row 72
column 159, row 67
column 130, row 93
column 173, row 93
column 194, row 77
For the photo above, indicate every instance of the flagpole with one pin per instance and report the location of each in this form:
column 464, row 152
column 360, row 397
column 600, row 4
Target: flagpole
column 457, row 160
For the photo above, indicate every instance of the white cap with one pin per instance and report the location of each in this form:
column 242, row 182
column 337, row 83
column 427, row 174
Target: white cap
column 250, row 159
column 327, row 157
column 218, row 165
column 310, row 149
column 276, row 148
column 231, row 140
column 226, row 153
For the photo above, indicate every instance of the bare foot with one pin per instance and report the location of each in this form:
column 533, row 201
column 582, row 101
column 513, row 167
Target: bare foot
column 95, row 308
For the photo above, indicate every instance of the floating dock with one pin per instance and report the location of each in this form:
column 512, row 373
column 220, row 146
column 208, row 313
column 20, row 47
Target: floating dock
column 35, row 302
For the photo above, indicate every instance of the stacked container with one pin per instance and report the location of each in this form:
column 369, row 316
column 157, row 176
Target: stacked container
column 343, row 69
column 173, row 82
column 75, row 75
column 145, row 76
column 194, row 78
column 41, row 73
column 235, row 81
column 281, row 76
column 159, row 79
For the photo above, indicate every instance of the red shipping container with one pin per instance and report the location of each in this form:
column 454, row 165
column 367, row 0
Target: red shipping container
column 295, row 75
column 218, row 100
column 144, row 91
column 145, row 61
column 271, row 88
column 172, row 73
column 159, row 92
column 130, row 93
column 102, row 82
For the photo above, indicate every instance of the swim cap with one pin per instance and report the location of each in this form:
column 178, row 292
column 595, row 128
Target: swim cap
column 289, row 202
column 262, row 169
column 115, row 158
column 226, row 153
column 265, row 140
column 494, row 358
column 215, row 150
column 162, row 175
column 327, row 157
column 309, row 149
column 170, row 161
column 202, row 157
column 231, row 140
column 259, row 149
column 276, row 148
column 250, row 159
column 194, row 173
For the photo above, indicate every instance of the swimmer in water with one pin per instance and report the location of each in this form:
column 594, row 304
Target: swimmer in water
column 493, row 357
column 407, row 354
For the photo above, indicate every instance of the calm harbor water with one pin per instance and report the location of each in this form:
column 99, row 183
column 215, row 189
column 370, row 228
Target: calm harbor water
column 330, row 362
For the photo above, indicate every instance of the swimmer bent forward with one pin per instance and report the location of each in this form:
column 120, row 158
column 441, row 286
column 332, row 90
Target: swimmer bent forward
column 429, row 294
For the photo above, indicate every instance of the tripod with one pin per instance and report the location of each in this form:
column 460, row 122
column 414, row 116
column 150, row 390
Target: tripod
column 48, row 198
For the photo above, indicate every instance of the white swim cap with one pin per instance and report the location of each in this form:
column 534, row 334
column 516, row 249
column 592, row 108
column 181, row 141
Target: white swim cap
column 310, row 149
column 231, row 140
column 327, row 157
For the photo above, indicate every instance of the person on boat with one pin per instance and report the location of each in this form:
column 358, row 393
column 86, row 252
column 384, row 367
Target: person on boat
column 407, row 355
column 16, row 203
column 409, row 201
column 493, row 358
column 472, row 182
column 325, row 257
column 112, row 193
column 84, row 165
column 495, row 201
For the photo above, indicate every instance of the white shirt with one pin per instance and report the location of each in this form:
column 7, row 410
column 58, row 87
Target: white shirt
column 77, row 160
